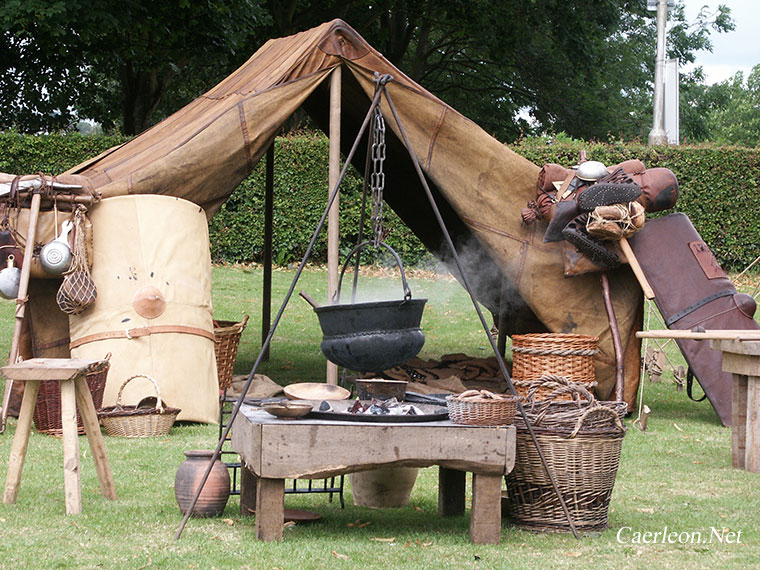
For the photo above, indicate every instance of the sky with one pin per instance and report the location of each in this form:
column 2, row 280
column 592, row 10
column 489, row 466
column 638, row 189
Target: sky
column 734, row 51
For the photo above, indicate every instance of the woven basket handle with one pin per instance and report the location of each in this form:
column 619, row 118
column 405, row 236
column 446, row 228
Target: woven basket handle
column 159, row 402
column 562, row 385
column 597, row 410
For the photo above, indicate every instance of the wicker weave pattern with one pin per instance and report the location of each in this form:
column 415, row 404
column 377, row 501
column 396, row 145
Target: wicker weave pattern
column 130, row 421
column 584, row 468
column 568, row 355
column 47, row 410
column 483, row 411
column 581, row 440
column 226, row 340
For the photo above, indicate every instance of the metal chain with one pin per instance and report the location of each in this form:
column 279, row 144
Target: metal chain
column 377, row 178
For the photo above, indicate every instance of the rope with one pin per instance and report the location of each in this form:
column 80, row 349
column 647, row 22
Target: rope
column 637, row 421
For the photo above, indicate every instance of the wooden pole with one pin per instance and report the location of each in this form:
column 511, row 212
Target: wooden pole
column 637, row 271
column 333, row 233
column 266, row 294
column 745, row 335
column 21, row 299
column 616, row 343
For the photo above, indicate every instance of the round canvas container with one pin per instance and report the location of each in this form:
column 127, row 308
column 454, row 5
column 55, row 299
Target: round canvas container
column 152, row 247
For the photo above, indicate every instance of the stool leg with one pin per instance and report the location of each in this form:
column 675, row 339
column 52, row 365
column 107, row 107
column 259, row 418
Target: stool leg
column 20, row 441
column 71, row 481
column 92, row 428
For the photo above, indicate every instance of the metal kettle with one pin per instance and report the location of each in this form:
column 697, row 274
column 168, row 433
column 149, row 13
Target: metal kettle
column 10, row 277
column 55, row 257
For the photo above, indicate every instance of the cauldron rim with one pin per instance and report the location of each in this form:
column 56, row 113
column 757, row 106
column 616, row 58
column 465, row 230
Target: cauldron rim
column 368, row 305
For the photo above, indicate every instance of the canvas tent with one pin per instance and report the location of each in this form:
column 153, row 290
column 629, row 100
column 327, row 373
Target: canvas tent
column 203, row 151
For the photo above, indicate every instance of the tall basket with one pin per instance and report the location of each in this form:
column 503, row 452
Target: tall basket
column 581, row 441
column 226, row 340
column 47, row 410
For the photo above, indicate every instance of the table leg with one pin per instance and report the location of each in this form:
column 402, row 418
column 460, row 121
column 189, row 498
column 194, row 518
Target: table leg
column 451, row 483
column 752, row 436
column 20, row 441
column 738, row 419
column 485, row 515
column 270, row 508
column 248, row 487
column 71, row 481
column 95, row 438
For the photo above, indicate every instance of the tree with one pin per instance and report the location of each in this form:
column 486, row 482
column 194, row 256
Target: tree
column 584, row 68
column 64, row 57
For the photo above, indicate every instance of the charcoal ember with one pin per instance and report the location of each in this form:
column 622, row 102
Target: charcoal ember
column 377, row 410
column 325, row 406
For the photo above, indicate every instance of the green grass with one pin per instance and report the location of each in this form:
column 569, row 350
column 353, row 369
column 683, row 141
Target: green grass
column 677, row 475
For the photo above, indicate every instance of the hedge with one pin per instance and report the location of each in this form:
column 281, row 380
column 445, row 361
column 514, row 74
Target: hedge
column 718, row 191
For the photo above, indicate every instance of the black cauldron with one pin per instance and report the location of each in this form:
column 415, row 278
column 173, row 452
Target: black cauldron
column 372, row 336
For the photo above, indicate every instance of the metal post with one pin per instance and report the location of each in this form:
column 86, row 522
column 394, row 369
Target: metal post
column 658, row 136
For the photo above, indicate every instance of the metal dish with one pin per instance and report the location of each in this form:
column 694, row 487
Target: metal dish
column 287, row 410
column 431, row 413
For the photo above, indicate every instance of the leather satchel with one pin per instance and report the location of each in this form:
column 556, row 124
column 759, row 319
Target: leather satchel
column 691, row 290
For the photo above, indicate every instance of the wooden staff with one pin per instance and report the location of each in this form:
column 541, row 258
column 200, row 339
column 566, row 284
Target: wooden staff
column 745, row 335
column 634, row 263
column 21, row 300
column 616, row 343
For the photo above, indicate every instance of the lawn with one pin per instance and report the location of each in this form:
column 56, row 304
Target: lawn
column 675, row 477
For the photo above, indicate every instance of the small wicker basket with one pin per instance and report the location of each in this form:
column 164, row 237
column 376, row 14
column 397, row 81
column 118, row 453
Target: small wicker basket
column 47, row 410
column 561, row 354
column 226, row 340
column 131, row 421
column 482, row 411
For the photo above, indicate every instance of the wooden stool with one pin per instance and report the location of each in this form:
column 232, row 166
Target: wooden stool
column 74, row 391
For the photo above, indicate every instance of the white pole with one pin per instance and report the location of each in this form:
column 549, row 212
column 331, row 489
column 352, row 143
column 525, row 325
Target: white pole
column 333, row 234
column 657, row 135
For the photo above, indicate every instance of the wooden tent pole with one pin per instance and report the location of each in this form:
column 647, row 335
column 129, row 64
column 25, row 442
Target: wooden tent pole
column 266, row 293
column 333, row 233
column 21, row 300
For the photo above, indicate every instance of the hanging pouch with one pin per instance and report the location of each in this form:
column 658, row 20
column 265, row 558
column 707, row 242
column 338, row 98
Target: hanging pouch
column 78, row 291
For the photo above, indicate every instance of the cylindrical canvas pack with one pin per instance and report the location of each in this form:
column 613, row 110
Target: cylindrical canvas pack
column 152, row 269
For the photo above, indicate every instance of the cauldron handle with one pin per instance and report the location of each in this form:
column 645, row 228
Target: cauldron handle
column 404, row 285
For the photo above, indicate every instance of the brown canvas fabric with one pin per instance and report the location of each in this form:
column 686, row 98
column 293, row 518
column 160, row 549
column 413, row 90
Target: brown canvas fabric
column 202, row 152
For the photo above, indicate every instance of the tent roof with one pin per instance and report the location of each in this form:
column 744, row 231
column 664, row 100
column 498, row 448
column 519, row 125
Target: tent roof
column 204, row 150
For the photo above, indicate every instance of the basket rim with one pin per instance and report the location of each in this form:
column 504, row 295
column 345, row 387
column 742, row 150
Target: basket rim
column 132, row 411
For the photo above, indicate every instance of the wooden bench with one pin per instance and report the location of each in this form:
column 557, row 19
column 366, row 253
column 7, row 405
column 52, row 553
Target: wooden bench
column 273, row 450
column 74, row 392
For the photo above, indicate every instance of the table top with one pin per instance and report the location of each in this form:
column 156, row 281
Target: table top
column 279, row 448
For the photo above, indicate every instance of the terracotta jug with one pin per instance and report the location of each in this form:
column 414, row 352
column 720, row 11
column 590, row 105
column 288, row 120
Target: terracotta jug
column 216, row 490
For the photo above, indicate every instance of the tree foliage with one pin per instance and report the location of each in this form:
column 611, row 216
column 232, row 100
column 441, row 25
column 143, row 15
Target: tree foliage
column 513, row 66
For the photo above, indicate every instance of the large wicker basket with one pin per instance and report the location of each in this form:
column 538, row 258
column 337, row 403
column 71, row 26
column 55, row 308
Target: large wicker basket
column 131, row 421
column 581, row 441
column 47, row 410
column 560, row 354
column 226, row 340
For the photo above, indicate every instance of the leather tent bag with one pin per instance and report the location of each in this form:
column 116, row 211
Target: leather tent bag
column 691, row 290
column 152, row 269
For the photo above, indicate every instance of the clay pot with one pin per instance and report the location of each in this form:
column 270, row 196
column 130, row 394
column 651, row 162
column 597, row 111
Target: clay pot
column 216, row 490
column 383, row 488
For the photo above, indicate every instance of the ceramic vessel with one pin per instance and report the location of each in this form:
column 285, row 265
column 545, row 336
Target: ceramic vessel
column 383, row 488
column 216, row 491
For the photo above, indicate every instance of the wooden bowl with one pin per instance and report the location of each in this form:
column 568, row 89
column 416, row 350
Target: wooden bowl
column 287, row 410
column 315, row 391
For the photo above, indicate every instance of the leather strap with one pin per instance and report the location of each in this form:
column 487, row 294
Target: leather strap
column 142, row 331
column 689, row 383
column 698, row 304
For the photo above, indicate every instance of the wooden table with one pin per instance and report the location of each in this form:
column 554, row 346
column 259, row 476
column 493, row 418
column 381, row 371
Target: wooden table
column 742, row 360
column 273, row 450
column 74, row 392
